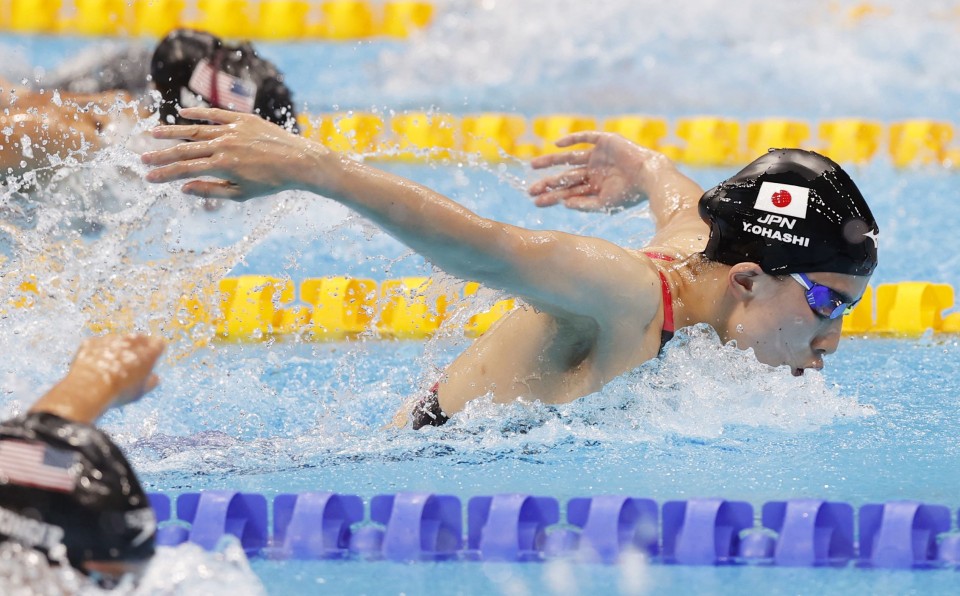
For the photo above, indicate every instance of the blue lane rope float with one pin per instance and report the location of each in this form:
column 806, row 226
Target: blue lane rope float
column 414, row 526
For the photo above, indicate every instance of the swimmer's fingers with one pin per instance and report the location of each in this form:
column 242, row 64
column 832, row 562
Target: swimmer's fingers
column 180, row 170
column 567, row 179
column 152, row 382
column 147, row 347
column 562, row 195
column 143, row 348
column 589, row 136
column 187, row 132
column 120, row 367
column 548, row 199
column 132, row 394
column 215, row 115
column 137, row 356
column 585, row 203
column 567, row 158
column 582, row 197
column 214, row 189
column 182, row 152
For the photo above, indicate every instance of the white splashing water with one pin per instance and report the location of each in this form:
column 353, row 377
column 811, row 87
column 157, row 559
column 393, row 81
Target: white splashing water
column 535, row 56
column 751, row 57
column 698, row 388
column 184, row 570
column 107, row 251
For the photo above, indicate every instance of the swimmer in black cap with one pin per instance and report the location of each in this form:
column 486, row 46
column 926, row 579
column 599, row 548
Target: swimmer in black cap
column 65, row 489
column 74, row 114
column 789, row 213
column 782, row 250
column 195, row 68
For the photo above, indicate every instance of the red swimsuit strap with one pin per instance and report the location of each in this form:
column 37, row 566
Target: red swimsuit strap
column 667, row 303
column 659, row 256
column 665, row 290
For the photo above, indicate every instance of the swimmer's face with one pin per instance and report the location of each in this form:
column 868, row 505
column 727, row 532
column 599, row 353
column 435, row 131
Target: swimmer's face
column 774, row 319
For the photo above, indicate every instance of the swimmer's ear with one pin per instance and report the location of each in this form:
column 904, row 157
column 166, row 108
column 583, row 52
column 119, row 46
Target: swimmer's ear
column 743, row 279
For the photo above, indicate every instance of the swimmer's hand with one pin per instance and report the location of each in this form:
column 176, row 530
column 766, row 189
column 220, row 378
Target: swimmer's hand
column 249, row 156
column 611, row 175
column 110, row 370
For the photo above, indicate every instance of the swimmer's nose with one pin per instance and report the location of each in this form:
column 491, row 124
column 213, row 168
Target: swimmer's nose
column 827, row 341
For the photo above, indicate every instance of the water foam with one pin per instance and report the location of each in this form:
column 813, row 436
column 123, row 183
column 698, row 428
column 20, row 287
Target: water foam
column 184, row 570
column 698, row 391
column 747, row 58
column 699, row 388
column 90, row 245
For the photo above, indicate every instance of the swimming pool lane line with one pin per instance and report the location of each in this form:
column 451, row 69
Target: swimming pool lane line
column 337, row 308
column 412, row 526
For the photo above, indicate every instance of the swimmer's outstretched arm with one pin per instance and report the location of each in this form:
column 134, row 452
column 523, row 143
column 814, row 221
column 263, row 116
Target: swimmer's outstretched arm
column 612, row 174
column 110, row 370
column 565, row 275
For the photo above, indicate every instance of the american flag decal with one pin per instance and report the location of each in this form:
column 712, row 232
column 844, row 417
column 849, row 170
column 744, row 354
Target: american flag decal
column 221, row 89
column 37, row 464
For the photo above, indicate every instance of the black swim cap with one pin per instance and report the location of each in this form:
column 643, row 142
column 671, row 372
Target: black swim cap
column 791, row 211
column 66, row 490
column 194, row 68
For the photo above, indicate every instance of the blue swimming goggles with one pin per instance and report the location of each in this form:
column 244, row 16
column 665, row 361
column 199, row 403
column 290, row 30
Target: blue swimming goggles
column 825, row 302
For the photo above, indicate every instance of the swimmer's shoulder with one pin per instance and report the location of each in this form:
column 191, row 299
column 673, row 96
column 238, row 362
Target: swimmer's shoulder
column 643, row 299
column 681, row 239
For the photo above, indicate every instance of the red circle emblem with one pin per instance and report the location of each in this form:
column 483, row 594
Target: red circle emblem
column 781, row 198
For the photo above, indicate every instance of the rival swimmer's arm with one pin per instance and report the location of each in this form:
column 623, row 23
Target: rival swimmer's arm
column 110, row 370
column 613, row 174
column 565, row 275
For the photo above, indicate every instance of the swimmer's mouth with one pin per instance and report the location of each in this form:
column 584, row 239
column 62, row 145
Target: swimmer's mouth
column 798, row 372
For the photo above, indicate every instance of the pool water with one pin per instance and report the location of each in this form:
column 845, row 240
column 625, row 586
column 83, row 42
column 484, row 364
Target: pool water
column 878, row 424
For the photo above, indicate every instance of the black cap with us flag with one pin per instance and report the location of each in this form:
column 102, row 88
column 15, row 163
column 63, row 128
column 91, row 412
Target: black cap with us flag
column 194, row 68
column 67, row 491
column 791, row 211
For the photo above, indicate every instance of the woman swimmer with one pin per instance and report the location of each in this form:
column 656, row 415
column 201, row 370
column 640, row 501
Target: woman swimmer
column 41, row 128
column 770, row 258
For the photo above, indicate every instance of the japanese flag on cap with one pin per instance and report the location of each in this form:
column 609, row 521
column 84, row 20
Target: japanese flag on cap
column 783, row 199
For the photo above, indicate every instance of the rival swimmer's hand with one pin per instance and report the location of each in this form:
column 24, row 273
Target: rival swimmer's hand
column 609, row 176
column 119, row 365
column 110, row 370
column 249, row 156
